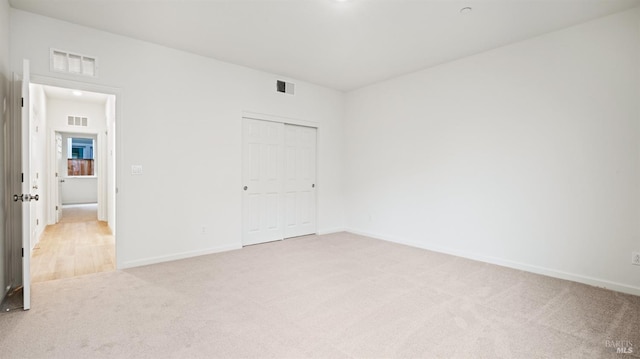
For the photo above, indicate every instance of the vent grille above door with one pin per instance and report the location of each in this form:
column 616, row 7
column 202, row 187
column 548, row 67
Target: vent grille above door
column 62, row 61
column 285, row 87
column 77, row 121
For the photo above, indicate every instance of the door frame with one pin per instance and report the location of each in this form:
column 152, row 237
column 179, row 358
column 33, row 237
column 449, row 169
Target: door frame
column 101, row 160
column 286, row 121
column 117, row 92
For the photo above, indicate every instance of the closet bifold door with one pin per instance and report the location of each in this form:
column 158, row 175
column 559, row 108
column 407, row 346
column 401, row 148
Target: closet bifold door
column 262, row 174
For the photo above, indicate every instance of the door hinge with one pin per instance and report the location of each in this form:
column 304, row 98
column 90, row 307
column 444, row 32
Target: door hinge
column 22, row 102
column 22, row 252
column 22, row 177
column 56, row 208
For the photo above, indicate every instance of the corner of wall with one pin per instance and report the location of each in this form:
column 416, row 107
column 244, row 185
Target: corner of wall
column 4, row 114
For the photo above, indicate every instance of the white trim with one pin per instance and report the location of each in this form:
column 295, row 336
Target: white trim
column 177, row 256
column 596, row 282
column 76, row 84
column 53, row 168
column 118, row 93
column 280, row 119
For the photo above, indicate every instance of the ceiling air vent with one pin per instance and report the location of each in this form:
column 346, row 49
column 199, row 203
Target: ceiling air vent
column 77, row 121
column 62, row 61
column 285, row 87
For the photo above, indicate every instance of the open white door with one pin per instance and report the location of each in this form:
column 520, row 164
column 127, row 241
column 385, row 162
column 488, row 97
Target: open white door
column 26, row 197
column 59, row 177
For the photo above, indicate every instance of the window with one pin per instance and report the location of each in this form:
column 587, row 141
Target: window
column 80, row 156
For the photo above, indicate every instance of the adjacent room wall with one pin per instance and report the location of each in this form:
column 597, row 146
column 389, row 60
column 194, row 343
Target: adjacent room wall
column 180, row 118
column 527, row 155
column 76, row 190
column 58, row 111
column 5, row 74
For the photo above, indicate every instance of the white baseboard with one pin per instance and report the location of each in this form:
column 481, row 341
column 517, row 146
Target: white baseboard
column 177, row 256
column 596, row 282
column 38, row 236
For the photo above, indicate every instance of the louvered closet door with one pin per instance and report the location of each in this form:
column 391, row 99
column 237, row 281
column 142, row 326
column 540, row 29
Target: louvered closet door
column 263, row 163
column 300, row 180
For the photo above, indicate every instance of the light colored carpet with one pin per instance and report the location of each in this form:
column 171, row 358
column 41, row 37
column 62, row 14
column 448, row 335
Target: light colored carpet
column 331, row 296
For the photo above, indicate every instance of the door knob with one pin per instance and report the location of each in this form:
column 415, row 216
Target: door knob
column 25, row 197
column 35, row 186
column 246, row 188
column 61, row 180
column 313, row 185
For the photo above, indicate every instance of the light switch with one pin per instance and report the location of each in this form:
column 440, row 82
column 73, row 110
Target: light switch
column 136, row 169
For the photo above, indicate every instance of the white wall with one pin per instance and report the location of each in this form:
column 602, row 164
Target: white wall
column 39, row 165
column 58, row 110
column 5, row 74
column 180, row 118
column 527, row 155
column 76, row 190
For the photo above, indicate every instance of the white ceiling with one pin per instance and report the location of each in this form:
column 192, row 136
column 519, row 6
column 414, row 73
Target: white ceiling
column 341, row 45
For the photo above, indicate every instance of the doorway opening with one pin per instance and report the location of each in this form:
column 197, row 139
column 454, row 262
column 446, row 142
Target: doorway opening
column 73, row 164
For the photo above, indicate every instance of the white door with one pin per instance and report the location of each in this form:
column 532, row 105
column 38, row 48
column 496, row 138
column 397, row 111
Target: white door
column 300, row 181
column 262, row 181
column 279, row 181
column 22, row 153
column 59, row 178
column 26, row 187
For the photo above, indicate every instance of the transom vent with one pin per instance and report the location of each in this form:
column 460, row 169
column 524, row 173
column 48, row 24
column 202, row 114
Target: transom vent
column 77, row 121
column 62, row 61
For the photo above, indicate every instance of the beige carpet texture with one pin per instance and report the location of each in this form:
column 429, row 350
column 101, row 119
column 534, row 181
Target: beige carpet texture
column 330, row 296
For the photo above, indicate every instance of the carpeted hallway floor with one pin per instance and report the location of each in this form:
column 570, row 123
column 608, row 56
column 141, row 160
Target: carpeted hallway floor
column 331, row 296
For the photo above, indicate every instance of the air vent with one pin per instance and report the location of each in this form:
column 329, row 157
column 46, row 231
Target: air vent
column 285, row 87
column 62, row 61
column 77, row 121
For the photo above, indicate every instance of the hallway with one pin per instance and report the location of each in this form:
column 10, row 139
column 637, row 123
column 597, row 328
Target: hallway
column 79, row 244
